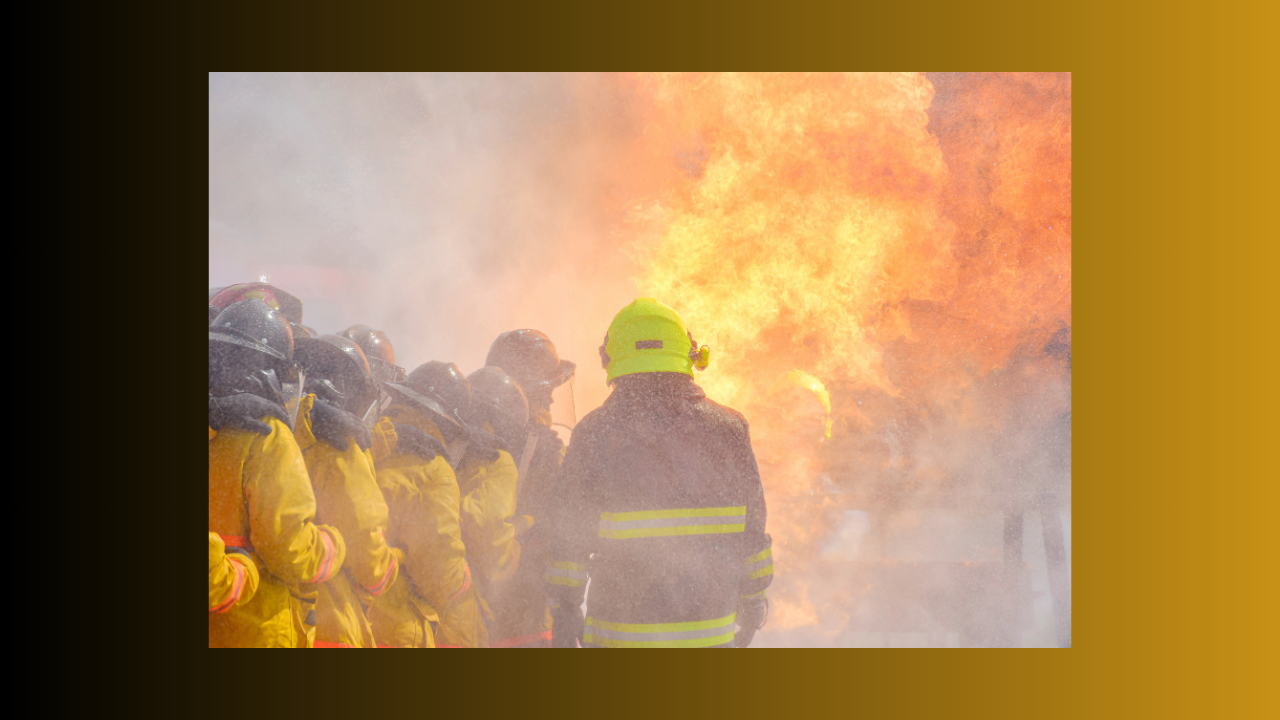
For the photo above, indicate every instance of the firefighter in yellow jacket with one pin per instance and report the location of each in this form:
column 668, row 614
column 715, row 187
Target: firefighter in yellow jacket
column 233, row 578
column 489, row 484
column 260, row 498
column 434, row 602
column 336, row 447
column 528, row 356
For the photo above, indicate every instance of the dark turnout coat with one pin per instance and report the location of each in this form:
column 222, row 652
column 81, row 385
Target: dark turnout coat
column 660, row 505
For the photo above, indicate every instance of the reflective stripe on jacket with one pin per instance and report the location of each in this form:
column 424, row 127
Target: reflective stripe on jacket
column 663, row 523
column 702, row 634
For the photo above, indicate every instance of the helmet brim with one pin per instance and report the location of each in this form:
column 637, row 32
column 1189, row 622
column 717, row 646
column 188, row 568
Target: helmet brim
column 232, row 336
column 393, row 372
column 311, row 353
column 567, row 369
column 427, row 403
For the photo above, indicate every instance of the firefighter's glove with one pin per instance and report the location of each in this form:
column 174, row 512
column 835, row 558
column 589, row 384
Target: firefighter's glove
column 566, row 627
column 752, row 613
column 335, row 426
column 242, row 411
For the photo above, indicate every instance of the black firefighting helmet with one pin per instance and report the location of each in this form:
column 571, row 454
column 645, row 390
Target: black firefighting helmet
column 440, row 390
column 530, row 358
column 214, row 311
column 496, row 398
column 251, row 350
column 253, row 325
column 377, row 348
column 337, row 372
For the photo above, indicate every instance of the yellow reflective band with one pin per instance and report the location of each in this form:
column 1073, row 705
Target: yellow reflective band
column 695, row 643
column 664, row 514
column 566, row 565
column 767, row 552
column 569, row 582
column 665, row 531
column 754, row 595
column 761, row 572
column 662, row 627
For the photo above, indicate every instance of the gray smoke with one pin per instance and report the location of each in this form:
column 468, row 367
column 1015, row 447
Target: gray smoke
column 443, row 209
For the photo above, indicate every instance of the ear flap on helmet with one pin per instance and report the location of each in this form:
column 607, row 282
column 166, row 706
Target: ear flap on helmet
column 604, row 356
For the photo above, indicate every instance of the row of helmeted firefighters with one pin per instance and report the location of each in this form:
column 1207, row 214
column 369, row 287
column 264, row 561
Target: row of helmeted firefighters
column 352, row 504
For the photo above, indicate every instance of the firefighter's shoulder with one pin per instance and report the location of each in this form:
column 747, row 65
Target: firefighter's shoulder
column 714, row 414
column 593, row 422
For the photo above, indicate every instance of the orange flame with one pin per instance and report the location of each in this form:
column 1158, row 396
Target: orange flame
column 884, row 234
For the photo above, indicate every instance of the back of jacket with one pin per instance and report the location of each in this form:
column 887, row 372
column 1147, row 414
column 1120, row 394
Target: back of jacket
column 348, row 498
column 432, row 602
column 261, row 505
column 663, row 509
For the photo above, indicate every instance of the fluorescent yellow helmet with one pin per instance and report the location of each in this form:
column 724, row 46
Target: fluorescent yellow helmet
column 647, row 336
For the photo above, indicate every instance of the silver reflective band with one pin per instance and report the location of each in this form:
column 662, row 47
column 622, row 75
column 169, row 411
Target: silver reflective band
column 569, row 574
column 660, row 523
column 756, row 564
column 688, row 634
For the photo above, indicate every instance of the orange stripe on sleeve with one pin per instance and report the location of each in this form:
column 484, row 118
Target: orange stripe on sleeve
column 236, row 541
column 326, row 570
column 378, row 589
column 237, row 587
column 466, row 570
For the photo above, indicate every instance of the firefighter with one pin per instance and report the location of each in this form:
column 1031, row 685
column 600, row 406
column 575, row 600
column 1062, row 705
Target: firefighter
column 433, row 603
column 530, row 358
column 335, row 446
column 488, row 482
column 233, row 578
column 260, row 498
column 661, row 505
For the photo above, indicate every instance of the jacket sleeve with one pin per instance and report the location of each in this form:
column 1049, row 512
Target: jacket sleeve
column 281, row 508
column 757, row 547
column 570, row 525
column 487, row 511
column 348, row 498
column 233, row 579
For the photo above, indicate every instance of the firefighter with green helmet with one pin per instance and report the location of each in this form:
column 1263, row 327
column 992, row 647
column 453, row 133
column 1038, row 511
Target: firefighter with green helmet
column 659, row 504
